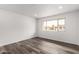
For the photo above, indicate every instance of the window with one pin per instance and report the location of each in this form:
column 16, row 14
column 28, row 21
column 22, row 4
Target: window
column 54, row 25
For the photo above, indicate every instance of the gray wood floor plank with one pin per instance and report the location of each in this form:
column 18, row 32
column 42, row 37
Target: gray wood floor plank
column 36, row 46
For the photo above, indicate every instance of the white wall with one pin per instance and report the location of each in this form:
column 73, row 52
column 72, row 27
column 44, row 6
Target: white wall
column 15, row 27
column 77, row 17
column 71, row 32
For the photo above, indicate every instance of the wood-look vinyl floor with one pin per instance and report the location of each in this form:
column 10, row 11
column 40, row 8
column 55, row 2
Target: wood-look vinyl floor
column 36, row 46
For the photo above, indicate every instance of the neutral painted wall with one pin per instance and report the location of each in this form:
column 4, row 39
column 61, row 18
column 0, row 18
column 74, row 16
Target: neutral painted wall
column 15, row 27
column 71, row 32
column 77, row 17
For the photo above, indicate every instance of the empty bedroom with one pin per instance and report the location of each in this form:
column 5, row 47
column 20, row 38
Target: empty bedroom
column 39, row 28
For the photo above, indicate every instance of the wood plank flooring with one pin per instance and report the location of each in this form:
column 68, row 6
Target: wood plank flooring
column 37, row 46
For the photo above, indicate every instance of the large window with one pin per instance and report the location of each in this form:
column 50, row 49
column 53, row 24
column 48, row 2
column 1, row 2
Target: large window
column 54, row 25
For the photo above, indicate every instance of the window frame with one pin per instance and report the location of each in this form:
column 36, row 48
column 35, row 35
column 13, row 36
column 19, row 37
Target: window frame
column 57, row 25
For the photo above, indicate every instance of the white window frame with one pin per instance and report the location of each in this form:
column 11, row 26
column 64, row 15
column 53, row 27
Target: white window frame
column 57, row 24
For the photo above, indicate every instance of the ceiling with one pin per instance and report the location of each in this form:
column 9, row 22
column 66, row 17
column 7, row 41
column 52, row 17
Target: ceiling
column 39, row 10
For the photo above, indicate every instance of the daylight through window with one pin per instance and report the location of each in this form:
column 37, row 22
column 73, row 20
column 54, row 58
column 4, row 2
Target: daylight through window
column 54, row 25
